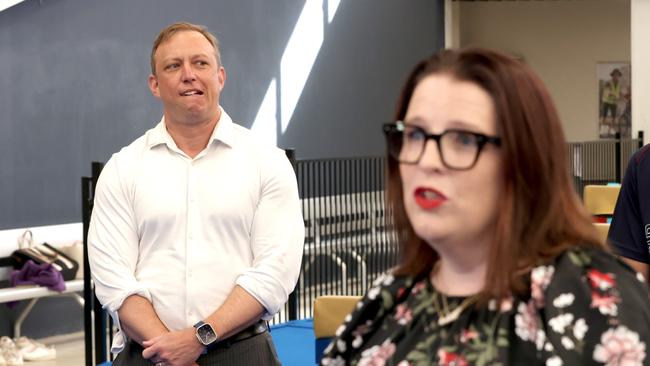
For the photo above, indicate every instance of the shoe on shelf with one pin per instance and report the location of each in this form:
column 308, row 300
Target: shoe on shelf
column 13, row 357
column 10, row 352
column 6, row 342
column 32, row 350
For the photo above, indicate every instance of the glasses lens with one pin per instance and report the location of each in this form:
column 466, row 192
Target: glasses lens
column 459, row 149
column 413, row 140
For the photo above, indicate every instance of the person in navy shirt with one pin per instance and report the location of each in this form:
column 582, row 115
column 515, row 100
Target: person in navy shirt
column 629, row 233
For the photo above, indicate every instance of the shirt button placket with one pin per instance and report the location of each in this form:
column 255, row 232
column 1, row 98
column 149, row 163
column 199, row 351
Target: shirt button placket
column 190, row 241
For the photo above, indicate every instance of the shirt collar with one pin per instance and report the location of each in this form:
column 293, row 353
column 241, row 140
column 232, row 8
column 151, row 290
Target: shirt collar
column 224, row 132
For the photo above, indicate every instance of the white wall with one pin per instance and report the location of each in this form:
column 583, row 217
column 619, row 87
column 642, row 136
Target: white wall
column 562, row 41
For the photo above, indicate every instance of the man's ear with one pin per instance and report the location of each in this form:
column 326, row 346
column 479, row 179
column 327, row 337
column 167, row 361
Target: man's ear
column 222, row 76
column 153, row 85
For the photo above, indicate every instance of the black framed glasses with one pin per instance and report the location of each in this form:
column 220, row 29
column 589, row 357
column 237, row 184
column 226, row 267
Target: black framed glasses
column 458, row 149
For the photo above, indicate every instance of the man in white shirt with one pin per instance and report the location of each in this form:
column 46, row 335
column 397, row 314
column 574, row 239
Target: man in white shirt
column 196, row 233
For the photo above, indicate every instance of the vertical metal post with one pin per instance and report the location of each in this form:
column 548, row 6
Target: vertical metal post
column 101, row 322
column 617, row 157
column 293, row 296
column 92, row 306
column 640, row 139
column 88, row 295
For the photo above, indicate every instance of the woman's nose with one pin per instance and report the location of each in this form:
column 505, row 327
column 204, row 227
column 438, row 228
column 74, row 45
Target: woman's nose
column 431, row 156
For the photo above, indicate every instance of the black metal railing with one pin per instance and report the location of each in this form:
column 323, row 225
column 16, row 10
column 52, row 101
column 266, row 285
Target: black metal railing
column 347, row 243
column 601, row 162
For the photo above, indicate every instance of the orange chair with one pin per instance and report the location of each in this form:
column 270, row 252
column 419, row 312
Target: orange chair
column 600, row 201
column 329, row 314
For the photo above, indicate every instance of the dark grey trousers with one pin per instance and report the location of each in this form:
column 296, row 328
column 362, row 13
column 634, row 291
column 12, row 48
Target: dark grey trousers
column 256, row 350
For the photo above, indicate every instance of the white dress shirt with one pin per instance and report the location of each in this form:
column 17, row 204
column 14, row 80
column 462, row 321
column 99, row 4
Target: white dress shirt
column 182, row 232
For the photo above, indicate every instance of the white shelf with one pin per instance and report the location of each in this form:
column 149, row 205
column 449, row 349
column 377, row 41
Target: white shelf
column 8, row 294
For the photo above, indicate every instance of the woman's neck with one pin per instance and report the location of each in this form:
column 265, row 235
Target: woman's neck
column 461, row 269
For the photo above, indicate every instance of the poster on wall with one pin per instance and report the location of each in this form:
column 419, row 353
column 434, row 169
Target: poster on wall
column 614, row 99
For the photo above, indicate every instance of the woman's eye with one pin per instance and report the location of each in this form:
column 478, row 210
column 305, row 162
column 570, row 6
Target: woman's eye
column 463, row 138
column 413, row 134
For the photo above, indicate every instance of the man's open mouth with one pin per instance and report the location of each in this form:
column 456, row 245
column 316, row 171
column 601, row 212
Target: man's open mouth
column 190, row 92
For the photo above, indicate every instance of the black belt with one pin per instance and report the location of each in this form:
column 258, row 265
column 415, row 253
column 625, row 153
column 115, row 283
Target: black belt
column 253, row 330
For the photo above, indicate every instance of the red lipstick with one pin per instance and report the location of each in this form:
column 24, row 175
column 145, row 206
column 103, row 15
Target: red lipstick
column 428, row 198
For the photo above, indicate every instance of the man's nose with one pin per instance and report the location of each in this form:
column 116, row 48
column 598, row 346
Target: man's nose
column 188, row 72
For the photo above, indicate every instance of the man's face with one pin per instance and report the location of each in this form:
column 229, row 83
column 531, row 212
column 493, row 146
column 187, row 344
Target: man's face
column 188, row 79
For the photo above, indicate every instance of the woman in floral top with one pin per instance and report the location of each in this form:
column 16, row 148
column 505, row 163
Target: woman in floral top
column 501, row 264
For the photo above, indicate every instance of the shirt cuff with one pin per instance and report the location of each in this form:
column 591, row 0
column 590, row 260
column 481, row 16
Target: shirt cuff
column 112, row 307
column 272, row 301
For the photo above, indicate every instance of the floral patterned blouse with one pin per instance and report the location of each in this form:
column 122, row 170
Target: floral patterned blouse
column 584, row 308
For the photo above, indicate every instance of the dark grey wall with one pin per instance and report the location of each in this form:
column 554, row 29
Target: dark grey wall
column 73, row 86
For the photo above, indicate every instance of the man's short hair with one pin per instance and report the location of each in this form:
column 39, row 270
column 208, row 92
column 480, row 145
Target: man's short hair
column 172, row 29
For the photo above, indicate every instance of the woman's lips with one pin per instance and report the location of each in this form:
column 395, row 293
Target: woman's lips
column 428, row 198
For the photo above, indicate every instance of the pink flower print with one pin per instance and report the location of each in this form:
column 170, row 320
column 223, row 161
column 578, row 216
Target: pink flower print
column 506, row 304
column 467, row 335
column 451, row 359
column 377, row 355
column 600, row 280
column 526, row 324
column 362, row 329
column 540, row 278
column 403, row 314
column 620, row 346
column 606, row 304
column 418, row 287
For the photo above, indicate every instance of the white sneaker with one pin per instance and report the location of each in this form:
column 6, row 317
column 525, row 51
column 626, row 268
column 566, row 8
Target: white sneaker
column 32, row 350
column 10, row 352
column 6, row 342
column 13, row 357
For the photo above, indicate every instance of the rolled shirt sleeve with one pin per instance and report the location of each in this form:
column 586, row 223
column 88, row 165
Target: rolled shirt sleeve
column 277, row 236
column 113, row 247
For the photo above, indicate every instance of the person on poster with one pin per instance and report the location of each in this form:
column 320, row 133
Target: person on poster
column 611, row 97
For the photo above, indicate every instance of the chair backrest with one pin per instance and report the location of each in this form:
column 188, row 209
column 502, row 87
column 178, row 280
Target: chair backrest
column 329, row 314
column 601, row 200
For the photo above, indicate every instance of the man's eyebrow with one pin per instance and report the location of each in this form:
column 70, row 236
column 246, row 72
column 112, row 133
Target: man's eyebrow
column 171, row 58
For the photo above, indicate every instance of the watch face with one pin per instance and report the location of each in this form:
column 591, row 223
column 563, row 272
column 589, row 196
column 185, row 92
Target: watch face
column 206, row 334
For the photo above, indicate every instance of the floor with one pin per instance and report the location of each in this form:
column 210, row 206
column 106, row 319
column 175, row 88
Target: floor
column 68, row 353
